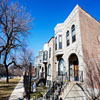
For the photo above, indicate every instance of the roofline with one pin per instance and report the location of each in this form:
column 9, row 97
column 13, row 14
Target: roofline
column 50, row 39
column 89, row 14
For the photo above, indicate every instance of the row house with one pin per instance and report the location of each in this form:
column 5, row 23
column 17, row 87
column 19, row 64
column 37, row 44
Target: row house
column 68, row 47
column 39, row 64
column 77, row 51
column 51, row 63
column 76, row 43
column 46, row 62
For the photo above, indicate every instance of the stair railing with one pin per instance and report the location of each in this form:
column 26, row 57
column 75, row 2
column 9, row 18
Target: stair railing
column 65, row 81
column 81, row 76
column 59, row 80
column 53, row 87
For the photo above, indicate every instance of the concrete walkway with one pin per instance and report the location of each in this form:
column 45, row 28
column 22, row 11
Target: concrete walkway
column 3, row 79
column 17, row 93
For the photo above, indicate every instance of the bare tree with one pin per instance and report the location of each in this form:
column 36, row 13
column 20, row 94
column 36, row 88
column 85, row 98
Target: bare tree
column 2, row 69
column 14, row 27
column 26, row 57
column 15, row 71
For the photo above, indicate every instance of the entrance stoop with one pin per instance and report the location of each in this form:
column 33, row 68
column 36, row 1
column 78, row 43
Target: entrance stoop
column 73, row 92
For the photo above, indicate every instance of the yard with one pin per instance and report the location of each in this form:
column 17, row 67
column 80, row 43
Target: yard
column 6, row 89
column 40, row 92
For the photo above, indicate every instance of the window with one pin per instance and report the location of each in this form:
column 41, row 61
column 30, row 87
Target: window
column 61, row 68
column 99, row 39
column 67, row 38
column 40, row 59
column 73, row 34
column 45, row 55
column 49, row 69
column 56, row 43
column 60, row 41
column 42, row 69
column 49, row 52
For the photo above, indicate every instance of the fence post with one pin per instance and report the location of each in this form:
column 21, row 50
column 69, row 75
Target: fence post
column 28, row 87
column 30, row 75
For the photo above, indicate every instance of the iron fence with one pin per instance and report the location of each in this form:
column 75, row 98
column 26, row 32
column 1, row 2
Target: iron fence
column 27, row 83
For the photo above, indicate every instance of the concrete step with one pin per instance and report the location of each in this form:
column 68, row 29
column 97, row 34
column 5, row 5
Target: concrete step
column 75, row 93
column 75, row 98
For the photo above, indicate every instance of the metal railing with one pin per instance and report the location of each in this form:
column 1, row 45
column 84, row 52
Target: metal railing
column 80, row 79
column 27, row 86
column 27, row 82
column 42, row 75
column 81, row 76
column 59, row 84
column 52, row 89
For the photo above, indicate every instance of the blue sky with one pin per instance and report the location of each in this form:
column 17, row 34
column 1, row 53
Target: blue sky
column 47, row 13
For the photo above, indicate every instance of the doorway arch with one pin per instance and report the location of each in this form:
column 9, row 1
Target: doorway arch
column 73, row 67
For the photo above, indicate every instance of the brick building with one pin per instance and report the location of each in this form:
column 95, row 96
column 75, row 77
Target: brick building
column 76, row 44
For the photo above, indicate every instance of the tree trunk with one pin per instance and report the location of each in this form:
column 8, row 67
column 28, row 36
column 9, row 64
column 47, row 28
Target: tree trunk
column 7, row 74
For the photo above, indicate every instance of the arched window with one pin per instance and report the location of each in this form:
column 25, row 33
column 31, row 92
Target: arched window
column 49, row 70
column 67, row 38
column 73, row 33
column 61, row 68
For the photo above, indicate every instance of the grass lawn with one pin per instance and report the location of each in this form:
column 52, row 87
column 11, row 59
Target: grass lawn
column 6, row 89
column 40, row 92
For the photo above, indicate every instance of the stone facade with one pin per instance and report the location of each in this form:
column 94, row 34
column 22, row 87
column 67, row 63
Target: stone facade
column 73, row 48
column 51, row 62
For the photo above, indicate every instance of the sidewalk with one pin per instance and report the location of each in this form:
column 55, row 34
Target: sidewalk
column 17, row 93
column 3, row 79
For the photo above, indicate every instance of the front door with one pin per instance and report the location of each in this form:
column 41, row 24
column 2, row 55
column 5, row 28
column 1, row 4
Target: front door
column 71, row 72
column 76, row 73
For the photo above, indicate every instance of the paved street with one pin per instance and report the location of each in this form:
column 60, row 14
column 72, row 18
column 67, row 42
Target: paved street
column 17, row 93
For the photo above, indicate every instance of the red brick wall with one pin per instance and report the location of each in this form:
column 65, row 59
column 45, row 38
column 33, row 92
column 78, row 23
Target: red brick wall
column 90, row 30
